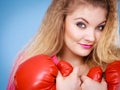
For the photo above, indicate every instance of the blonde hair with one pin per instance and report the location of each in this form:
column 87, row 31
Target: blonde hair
column 49, row 38
column 108, row 48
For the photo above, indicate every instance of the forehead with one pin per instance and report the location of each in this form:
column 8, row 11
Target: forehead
column 73, row 4
column 101, row 3
column 89, row 12
column 88, row 9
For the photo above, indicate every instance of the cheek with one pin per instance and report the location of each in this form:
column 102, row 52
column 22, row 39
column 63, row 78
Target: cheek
column 71, row 32
column 72, row 35
column 98, row 35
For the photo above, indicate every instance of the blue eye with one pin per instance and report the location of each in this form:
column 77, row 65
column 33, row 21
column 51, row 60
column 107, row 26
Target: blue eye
column 101, row 27
column 81, row 25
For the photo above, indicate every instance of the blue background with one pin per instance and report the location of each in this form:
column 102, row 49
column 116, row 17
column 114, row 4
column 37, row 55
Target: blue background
column 19, row 20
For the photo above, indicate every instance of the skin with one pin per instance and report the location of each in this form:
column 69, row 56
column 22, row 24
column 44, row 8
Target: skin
column 83, row 29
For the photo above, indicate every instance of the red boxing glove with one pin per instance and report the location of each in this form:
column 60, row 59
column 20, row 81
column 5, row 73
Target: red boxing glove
column 112, row 75
column 39, row 73
column 95, row 73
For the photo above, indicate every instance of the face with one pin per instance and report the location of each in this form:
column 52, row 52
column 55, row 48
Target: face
column 83, row 29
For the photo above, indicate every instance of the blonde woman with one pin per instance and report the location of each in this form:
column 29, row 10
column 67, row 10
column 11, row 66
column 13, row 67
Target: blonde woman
column 84, row 34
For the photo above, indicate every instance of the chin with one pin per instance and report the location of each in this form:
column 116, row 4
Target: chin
column 84, row 54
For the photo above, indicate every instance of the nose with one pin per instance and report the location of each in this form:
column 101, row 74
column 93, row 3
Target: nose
column 90, row 35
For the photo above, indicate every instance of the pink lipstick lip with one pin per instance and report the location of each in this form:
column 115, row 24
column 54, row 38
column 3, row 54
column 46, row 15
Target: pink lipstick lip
column 86, row 46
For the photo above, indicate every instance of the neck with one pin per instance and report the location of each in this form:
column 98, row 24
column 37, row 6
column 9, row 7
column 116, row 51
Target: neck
column 73, row 59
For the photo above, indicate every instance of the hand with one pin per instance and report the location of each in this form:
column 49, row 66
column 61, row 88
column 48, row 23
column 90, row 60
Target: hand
column 89, row 84
column 95, row 73
column 112, row 75
column 39, row 73
column 71, row 82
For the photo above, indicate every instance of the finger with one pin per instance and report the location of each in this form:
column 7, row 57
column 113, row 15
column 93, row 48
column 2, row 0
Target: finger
column 59, row 75
column 103, row 82
column 84, row 78
column 84, row 82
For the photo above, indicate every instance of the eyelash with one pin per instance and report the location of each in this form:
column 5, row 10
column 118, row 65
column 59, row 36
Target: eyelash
column 101, row 27
column 81, row 25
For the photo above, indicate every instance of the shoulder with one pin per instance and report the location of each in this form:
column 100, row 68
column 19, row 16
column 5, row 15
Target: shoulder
column 37, row 60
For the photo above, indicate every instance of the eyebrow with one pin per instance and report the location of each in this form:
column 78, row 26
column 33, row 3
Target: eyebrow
column 88, row 22
column 103, row 22
column 82, row 19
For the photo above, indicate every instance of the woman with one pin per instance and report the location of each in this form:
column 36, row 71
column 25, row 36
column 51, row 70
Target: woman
column 82, row 32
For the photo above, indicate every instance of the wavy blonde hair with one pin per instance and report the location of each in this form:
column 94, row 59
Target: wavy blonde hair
column 49, row 38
